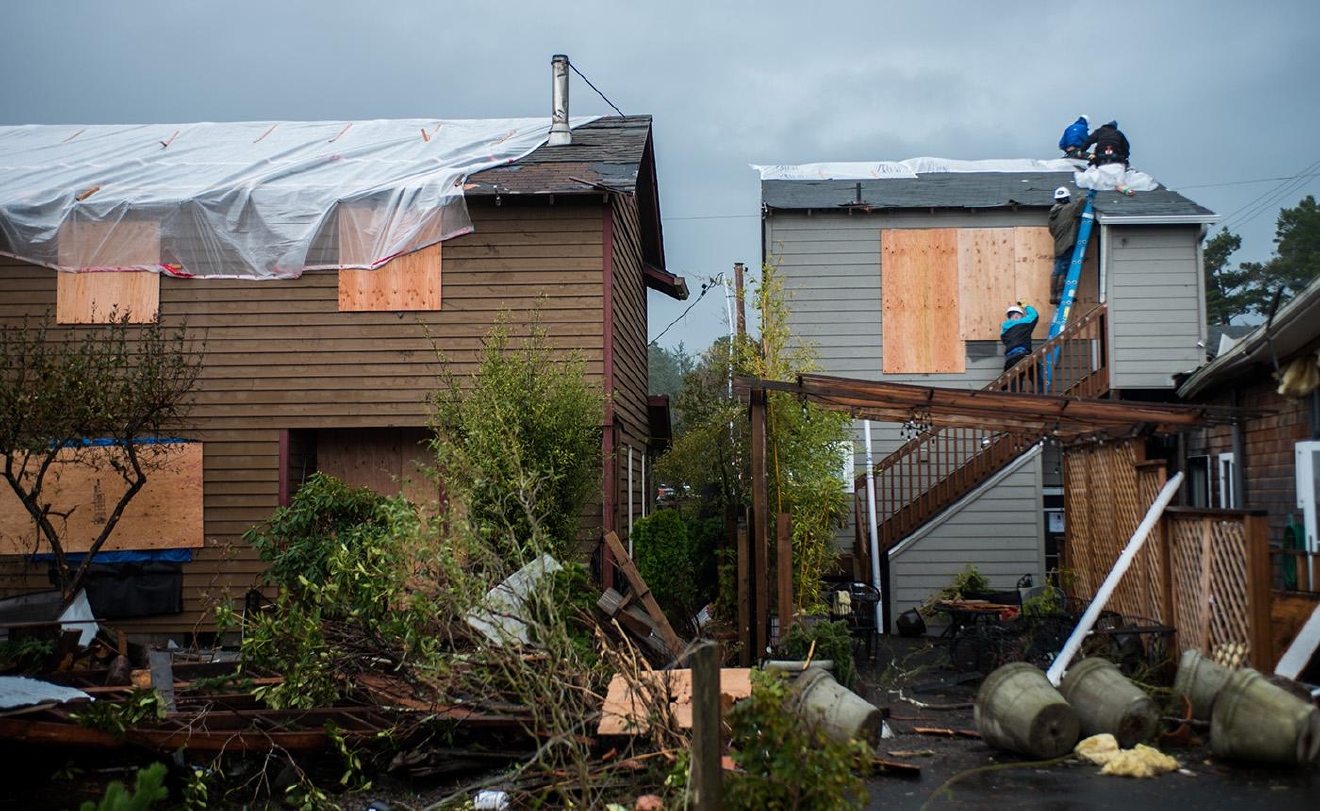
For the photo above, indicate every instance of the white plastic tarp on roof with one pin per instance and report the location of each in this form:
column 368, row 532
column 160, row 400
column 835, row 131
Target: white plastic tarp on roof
column 911, row 168
column 252, row 200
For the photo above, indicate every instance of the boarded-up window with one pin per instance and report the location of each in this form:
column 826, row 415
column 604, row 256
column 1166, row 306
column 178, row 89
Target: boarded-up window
column 410, row 282
column 919, row 290
column 165, row 514
column 944, row 286
column 406, row 283
column 93, row 297
column 998, row 266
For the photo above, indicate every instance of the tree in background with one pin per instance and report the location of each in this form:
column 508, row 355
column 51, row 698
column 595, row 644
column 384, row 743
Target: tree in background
column 1296, row 260
column 120, row 384
column 1249, row 289
column 804, row 474
column 666, row 369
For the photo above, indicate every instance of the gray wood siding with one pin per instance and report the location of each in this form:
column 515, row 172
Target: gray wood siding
column 1156, row 304
column 830, row 264
column 998, row 529
column 279, row 355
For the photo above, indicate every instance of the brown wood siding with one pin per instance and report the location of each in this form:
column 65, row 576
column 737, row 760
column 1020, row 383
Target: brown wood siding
column 630, row 371
column 280, row 356
column 1269, row 470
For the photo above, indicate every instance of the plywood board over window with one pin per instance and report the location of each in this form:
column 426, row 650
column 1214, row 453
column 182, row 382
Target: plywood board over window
column 108, row 288
column 165, row 514
column 410, row 282
column 986, row 280
column 1033, row 262
column 919, row 297
column 998, row 266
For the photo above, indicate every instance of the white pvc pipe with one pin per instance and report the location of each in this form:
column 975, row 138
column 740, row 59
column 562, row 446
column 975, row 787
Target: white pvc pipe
column 632, row 497
column 1138, row 539
column 874, row 526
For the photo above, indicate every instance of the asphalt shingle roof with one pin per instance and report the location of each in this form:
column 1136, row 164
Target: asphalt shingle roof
column 608, row 152
column 967, row 190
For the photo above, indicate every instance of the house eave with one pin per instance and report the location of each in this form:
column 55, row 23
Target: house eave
column 1158, row 219
column 1292, row 329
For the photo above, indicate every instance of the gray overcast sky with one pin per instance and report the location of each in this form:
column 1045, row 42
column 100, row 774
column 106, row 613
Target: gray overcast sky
column 1218, row 98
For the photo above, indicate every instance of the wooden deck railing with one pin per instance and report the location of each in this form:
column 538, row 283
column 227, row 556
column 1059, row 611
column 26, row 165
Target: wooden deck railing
column 929, row 473
column 1296, row 570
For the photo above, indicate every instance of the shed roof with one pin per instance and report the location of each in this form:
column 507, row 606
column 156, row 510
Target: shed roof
column 1295, row 328
column 975, row 190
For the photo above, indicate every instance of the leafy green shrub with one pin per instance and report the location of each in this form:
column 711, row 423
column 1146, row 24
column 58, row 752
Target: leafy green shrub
column 785, row 762
column 520, row 443
column 354, row 573
column 148, row 788
column 667, row 557
column 299, row 539
column 833, row 641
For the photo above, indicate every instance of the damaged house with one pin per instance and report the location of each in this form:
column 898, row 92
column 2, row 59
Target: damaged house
column 322, row 265
column 901, row 272
column 1268, row 461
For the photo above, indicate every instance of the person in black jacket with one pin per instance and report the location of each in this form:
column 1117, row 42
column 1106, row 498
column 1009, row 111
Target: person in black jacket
column 1016, row 331
column 1111, row 145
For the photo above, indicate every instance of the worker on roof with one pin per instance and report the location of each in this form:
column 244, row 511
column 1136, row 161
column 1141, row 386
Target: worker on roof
column 1065, row 216
column 1074, row 136
column 1111, row 145
column 1016, row 331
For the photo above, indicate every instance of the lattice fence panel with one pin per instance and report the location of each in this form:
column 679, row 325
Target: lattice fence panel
column 1147, row 569
column 1211, row 599
column 1107, row 502
column 1187, row 548
column 1230, row 628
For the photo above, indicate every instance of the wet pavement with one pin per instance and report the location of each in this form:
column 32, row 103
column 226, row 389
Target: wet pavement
column 966, row 773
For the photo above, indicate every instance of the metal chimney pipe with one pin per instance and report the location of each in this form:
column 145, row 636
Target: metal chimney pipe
column 559, row 132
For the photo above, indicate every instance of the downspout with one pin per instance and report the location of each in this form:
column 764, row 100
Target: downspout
column 875, row 532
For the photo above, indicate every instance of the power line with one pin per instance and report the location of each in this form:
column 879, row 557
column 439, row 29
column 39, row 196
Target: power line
column 593, row 87
column 1246, row 182
column 705, row 288
column 715, row 217
column 1267, row 200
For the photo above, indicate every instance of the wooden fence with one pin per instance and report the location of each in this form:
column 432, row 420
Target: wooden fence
column 1206, row 573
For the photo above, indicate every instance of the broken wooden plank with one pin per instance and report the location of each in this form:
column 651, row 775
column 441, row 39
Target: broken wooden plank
column 626, row 708
column 896, row 768
column 947, row 733
column 629, row 569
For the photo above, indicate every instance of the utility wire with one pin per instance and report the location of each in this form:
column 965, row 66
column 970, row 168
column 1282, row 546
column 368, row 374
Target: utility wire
column 1246, row 182
column 705, row 288
column 593, row 87
column 1269, row 198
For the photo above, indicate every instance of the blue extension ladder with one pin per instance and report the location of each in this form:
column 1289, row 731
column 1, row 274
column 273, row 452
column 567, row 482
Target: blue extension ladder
column 1069, row 294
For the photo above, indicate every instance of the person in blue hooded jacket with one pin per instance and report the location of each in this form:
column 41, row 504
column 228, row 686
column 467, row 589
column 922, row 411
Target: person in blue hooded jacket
column 1074, row 136
column 1016, row 331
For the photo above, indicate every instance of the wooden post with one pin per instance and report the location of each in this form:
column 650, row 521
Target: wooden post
column 1207, row 582
column 1260, row 574
column 1168, row 613
column 760, row 510
column 746, row 638
column 707, row 738
column 784, row 568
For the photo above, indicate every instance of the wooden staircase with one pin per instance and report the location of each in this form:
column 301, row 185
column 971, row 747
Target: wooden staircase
column 930, row 472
